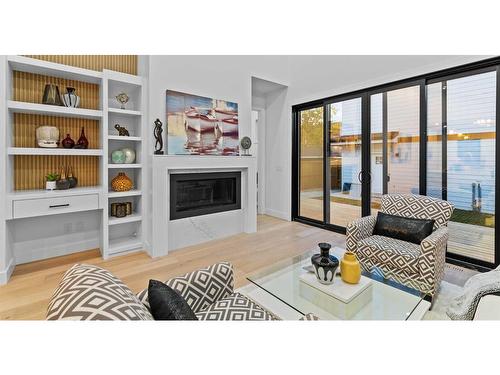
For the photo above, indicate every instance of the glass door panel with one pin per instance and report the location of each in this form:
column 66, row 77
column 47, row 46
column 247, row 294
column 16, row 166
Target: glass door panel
column 376, row 152
column 394, row 143
column 403, row 140
column 466, row 151
column 344, row 162
column 311, row 133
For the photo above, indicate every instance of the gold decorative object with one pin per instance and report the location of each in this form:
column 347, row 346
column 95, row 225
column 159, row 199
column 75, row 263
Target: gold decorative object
column 350, row 269
column 121, row 182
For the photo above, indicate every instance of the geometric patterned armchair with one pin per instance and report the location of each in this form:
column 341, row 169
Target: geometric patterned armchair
column 418, row 266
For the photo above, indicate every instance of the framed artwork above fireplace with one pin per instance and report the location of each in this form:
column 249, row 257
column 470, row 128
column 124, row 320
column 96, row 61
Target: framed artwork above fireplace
column 199, row 125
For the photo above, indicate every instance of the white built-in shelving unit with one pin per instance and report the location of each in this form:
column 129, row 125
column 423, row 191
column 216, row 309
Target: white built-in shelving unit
column 117, row 235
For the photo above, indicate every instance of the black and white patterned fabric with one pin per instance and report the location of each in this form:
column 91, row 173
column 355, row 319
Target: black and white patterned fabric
column 235, row 307
column 201, row 288
column 421, row 269
column 418, row 207
column 88, row 292
column 390, row 251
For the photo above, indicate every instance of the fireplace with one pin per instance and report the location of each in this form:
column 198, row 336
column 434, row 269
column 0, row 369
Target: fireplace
column 195, row 194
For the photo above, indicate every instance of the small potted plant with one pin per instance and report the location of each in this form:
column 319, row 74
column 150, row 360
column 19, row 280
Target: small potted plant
column 51, row 178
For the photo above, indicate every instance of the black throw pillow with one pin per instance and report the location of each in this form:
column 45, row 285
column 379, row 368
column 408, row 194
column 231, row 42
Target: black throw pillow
column 168, row 304
column 403, row 228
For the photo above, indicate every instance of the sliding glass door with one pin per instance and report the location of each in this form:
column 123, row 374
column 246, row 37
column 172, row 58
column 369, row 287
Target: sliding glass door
column 311, row 134
column 344, row 162
column 434, row 136
column 394, row 142
column 461, row 152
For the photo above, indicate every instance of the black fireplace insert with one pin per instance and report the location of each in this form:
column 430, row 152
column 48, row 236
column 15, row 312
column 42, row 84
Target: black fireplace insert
column 195, row 194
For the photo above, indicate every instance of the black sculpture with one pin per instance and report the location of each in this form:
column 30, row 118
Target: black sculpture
column 158, row 136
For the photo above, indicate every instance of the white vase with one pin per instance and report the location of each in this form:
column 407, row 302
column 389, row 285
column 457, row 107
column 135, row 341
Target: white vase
column 50, row 185
column 129, row 155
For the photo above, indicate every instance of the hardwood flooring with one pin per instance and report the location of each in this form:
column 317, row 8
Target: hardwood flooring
column 26, row 295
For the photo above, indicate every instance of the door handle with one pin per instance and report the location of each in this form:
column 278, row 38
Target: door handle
column 59, row 205
column 360, row 177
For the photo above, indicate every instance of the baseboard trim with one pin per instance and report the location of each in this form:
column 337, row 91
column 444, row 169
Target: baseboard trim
column 7, row 272
column 278, row 214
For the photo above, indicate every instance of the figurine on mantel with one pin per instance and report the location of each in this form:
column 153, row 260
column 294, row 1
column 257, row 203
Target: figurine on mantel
column 158, row 131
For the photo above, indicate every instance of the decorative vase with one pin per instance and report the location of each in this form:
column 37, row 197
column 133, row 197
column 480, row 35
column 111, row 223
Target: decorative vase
column 68, row 142
column 50, row 185
column 47, row 136
column 70, row 99
column 51, row 95
column 73, row 181
column 118, row 157
column 82, row 141
column 129, row 155
column 63, row 182
column 122, row 98
column 121, row 183
column 325, row 265
column 350, row 269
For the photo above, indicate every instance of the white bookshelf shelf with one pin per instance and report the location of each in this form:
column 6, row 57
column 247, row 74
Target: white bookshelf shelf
column 126, row 112
column 124, row 166
column 53, row 151
column 121, row 194
column 124, row 244
column 123, row 220
column 30, row 65
column 53, row 110
column 122, row 138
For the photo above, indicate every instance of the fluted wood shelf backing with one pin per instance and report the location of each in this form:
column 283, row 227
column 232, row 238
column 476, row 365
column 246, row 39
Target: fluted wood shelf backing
column 119, row 63
column 30, row 170
column 25, row 129
column 29, row 87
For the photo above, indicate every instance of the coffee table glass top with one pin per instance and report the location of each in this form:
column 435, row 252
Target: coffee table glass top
column 382, row 300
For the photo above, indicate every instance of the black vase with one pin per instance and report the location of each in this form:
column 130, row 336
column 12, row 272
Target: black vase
column 325, row 265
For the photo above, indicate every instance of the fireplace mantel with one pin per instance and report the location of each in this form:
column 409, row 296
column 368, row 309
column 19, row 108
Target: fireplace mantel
column 168, row 235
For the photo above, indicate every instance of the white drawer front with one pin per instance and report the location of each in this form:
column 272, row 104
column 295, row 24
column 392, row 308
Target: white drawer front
column 52, row 206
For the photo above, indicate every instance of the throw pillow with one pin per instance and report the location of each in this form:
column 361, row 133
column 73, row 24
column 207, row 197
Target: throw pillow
column 403, row 228
column 167, row 304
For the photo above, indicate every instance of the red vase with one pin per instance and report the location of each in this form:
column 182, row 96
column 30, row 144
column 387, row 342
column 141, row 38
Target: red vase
column 68, row 142
column 82, row 141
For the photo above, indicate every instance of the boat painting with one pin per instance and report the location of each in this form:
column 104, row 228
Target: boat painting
column 200, row 125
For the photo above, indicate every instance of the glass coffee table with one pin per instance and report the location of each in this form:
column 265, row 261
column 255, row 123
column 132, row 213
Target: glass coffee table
column 281, row 289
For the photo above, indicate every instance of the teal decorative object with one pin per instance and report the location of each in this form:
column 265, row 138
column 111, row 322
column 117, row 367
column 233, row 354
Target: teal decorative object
column 118, row 157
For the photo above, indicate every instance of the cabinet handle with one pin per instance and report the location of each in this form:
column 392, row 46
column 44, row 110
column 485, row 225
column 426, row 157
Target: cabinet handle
column 59, row 205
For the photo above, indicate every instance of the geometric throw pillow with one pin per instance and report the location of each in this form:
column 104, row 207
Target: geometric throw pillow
column 167, row 304
column 88, row 292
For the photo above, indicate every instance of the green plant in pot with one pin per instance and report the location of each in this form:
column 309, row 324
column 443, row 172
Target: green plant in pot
column 51, row 179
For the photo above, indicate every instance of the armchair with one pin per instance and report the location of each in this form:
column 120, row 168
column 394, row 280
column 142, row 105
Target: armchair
column 418, row 266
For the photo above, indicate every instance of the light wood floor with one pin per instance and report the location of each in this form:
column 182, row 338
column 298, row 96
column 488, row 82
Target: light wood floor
column 30, row 287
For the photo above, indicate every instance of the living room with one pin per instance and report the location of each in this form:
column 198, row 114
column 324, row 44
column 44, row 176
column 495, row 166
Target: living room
column 259, row 187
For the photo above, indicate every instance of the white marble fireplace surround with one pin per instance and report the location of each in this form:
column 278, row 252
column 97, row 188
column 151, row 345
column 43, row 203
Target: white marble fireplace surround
column 174, row 234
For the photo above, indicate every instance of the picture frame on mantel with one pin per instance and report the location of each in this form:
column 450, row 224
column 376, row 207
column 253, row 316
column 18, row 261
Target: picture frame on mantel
column 198, row 125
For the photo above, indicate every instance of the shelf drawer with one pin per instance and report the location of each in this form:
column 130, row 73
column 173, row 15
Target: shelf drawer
column 52, row 206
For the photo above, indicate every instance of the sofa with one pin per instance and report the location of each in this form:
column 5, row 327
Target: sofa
column 88, row 292
column 421, row 266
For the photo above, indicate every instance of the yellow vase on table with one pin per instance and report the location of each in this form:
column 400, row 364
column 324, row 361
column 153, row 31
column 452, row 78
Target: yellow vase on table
column 350, row 269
